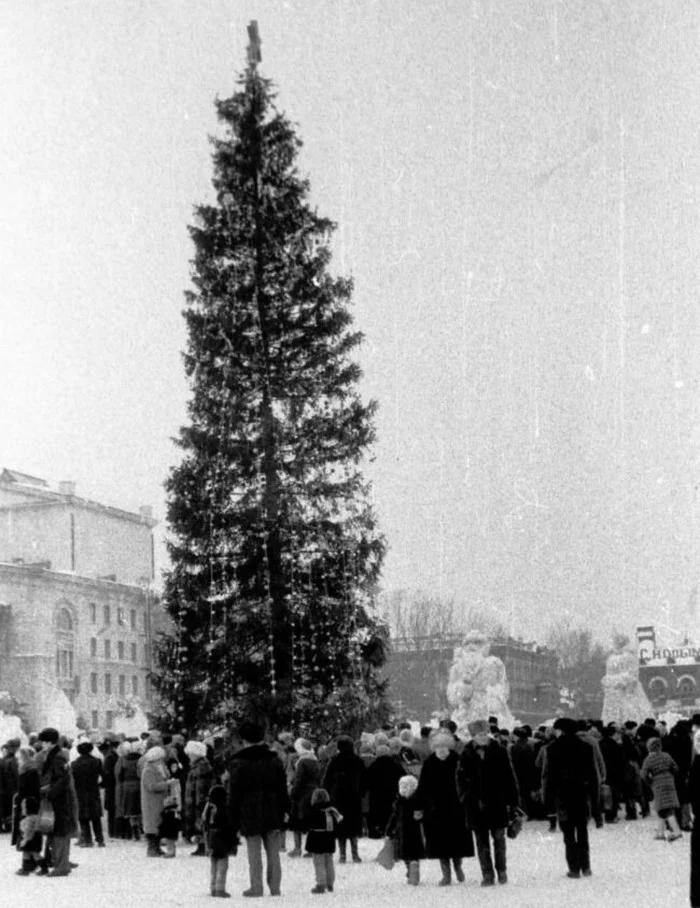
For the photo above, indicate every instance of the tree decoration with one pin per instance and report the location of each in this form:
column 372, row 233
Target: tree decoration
column 268, row 506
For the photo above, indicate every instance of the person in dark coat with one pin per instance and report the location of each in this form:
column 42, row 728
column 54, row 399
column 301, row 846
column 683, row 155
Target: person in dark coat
column 679, row 745
column 28, row 790
column 345, row 782
column 87, row 775
column 694, row 796
column 488, row 789
column 382, row 781
column 56, row 787
column 307, row 778
column 109, row 783
column 8, row 783
column 323, row 824
column 199, row 780
column 522, row 756
column 219, row 837
column 405, row 829
column 447, row 836
column 570, row 782
column 614, row 759
column 259, row 806
column 128, row 786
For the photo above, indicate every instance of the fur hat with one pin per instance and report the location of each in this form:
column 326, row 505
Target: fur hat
column 196, row 750
column 382, row 750
column 441, row 738
column 155, row 753
column 478, row 727
column 654, row 744
column 49, row 735
column 407, row 785
column 302, row 746
column 380, row 739
column 406, row 737
column 84, row 748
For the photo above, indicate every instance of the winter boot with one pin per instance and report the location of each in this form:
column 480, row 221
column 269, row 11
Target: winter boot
column 153, row 849
column 413, row 873
column 199, row 851
column 342, row 849
column 355, row 854
column 446, row 872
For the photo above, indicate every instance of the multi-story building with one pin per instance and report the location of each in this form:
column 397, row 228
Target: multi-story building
column 76, row 603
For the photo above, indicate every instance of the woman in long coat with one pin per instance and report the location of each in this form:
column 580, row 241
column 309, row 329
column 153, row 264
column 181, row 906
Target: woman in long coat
column 447, row 837
column 29, row 786
column 198, row 783
column 659, row 772
column 344, row 781
column 382, row 787
column 307, row 778
column 694, row 795
column 109, row 783
column 155, row 786
column 129, row 789
column 87, row 774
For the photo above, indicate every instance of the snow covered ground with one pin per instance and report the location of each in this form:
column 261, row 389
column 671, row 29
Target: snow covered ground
column 629, row 869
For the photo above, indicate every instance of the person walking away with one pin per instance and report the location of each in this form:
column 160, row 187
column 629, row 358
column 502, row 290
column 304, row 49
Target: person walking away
column 659, row 772
column 55, row 784
column 522, row 757
column 488, row 789
column 220, row 839
column 307, row 778
column 406, row 830
column 678, row 743
column 87, row 775
column 614, row 757
column 323, row 824
column 570, row 783
column 259, row 806
column 694, row 795
column 447, row 836
column 109, row 783
column 199, row 780
column 549, row 810
column 9, row 782
column 345, row 782
column 128, row 788
column 382, row 780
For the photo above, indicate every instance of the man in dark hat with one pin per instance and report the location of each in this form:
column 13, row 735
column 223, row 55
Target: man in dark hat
column 56, row 787
column 570, row 782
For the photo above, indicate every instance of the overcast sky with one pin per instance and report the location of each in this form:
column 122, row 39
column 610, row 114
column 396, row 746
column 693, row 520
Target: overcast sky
column 516, row 188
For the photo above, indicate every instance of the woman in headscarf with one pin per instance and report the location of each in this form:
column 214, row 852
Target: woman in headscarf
column 155, row 786
column 307, row 778
column 344, row 781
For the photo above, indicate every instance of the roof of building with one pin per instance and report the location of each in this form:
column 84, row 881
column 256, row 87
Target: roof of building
column 38, row 494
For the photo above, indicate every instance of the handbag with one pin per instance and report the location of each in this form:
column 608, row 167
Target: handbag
column 386, row 858
column 46, row 817
column 515, row 824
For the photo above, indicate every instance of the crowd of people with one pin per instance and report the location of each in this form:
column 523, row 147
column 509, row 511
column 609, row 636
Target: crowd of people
column 429, row 796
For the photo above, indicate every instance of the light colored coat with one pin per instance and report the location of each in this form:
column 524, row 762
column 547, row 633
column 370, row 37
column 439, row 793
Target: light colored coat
column 155, row 785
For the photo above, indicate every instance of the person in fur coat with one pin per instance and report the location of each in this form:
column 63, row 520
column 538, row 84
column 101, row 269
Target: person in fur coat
column 406, row 830
column 200, row 779
column 659, row 772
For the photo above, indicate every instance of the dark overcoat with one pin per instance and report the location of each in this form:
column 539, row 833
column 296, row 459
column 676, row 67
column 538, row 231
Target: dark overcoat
column 8, row 784
column 345, row 782
column 56, row 784
column 323, row 823
column 444, row 821
column 486, row 785
column 570, row 778
column 109, row 781
column 128, row 786
column 307, row 778
column 383, row 786
column 694, row 797
column 614, row 758
column 257, row 785
column 28, row 786
column 87, row 774
column 405, row 830
column 200, row 779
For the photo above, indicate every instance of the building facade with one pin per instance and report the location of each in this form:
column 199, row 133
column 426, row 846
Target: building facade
column 76, row 603
column 670, row 676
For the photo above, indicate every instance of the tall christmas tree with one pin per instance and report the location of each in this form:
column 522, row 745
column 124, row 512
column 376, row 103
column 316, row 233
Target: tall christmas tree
column 274, row 549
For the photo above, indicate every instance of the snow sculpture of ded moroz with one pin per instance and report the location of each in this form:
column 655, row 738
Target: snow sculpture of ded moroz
column 623, row 694
column 477, row 686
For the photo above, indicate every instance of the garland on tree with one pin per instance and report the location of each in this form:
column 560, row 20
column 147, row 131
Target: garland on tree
column 274, row 549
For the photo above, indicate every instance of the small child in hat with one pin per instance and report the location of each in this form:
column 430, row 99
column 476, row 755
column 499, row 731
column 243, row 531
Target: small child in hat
column 219, row 838
column 29, row 837
column 170, row 824
column 406, row 830
column 321, row 839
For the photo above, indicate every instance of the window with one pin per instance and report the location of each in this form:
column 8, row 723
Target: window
column 64, row 662
column 109, row 718
column 120, row 649
column 64, row 620
column 133, row 652
column 121, row 616
column 134, row 684
column 108, row 683
column 122, row 685
column 65, row 639
column 93, row 646
column 93, row 613
column 686, row 687
column 133, row 619
column 93, row 685
column 107, row 614
column 95, row 719
column 108, row 649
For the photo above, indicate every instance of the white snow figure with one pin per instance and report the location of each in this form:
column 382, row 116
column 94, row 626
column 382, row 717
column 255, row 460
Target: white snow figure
column 11, row 727
column 623, row 694
column 53, row 708
column 132, row 724
column 477, row 686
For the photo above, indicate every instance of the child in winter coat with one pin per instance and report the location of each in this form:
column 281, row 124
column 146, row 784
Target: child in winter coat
column 321, row 839
column 29, row 837
column 405, row 829
column 169, row 828
column 219, row 838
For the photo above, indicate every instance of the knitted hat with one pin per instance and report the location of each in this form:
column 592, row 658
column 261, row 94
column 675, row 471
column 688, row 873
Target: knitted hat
column 302, row 746
column 406, row 737
column 196, row 750
column 155, row 753
column 407, row 785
